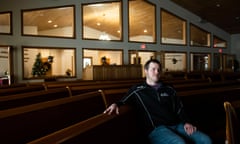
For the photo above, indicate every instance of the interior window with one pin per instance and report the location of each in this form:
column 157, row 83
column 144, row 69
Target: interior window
column 219, row 43
column 50, row 22
column 101, row 56
column 175, row 61
column 142, row 21
column 199, row 37
column 173, row 29
column 200, row 62
column 5, row 23
column 6, row 70
column 102, row 21
column 43, row 62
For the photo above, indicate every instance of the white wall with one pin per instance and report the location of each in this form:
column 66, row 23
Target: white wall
column 17, row 40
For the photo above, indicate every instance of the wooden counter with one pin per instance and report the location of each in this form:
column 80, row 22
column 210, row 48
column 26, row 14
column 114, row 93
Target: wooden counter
column 112, row 72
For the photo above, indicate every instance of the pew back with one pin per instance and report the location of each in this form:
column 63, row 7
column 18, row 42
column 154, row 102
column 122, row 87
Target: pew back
column 21, row 89
column 81, row 89
column 22, row 99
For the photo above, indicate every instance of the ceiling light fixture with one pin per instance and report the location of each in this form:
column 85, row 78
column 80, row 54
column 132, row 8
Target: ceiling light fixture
column 104, row 36
column 218, row 5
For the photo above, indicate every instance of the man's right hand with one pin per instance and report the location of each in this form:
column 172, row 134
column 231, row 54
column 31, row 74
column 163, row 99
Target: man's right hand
column 113, row 108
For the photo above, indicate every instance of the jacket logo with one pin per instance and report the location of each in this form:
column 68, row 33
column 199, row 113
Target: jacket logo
column 164, row 94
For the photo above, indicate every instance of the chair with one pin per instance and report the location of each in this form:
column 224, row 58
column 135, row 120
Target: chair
column 232, row 124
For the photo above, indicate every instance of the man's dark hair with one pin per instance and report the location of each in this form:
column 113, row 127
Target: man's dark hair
column 146, row 66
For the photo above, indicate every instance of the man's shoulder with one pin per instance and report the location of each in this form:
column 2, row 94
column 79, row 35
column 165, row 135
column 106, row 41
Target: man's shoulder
column 139, row 86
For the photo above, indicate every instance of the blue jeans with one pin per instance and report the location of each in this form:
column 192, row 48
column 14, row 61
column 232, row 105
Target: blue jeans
column 176, row 135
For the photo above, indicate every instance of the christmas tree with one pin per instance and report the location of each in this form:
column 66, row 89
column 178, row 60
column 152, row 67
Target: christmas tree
column 38, row 67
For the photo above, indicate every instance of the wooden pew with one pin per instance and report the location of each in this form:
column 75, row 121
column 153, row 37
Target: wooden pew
column 102, row 128
column 53, row 93
column 232, row 122
column 205, row 85
column 17, row 90
column 113, row 95
column 23, row 124
column 187, row 95
column 204, row 106
column 206, row 110
column 185, row 81
column 231, row 75
column 13, row 85
column 81, row 89
column 22, row 99
column 195, row 75
column 89, row 83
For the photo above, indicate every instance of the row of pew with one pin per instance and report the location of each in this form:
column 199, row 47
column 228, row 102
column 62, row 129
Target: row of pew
column 212, row 76
column 209, row 117
column 19, row 98
column 72, row 112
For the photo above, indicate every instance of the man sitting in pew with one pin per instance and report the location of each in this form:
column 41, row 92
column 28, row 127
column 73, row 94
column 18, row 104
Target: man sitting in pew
column 160, row 110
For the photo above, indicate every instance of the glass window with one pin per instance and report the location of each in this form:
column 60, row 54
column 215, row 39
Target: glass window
column 142, row 21
column 228, row 63
column 5, row 23
column 174, row 61
column 173, row 29
column 6, row 70
column 219, row 43
column 111, row 57
column 199, row 37
column 50, row 22
column 141, row 57
column 102, row 21
column 217, row 62
column 224, row 62
column 49, row 62
column 200, row 62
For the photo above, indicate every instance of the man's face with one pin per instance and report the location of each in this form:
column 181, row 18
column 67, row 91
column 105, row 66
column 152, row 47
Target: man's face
column 153, row 72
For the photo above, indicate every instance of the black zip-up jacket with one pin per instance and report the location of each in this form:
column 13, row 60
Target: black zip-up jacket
column 155, row 107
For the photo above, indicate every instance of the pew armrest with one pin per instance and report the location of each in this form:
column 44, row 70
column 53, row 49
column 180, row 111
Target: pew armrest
column 232, row 124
